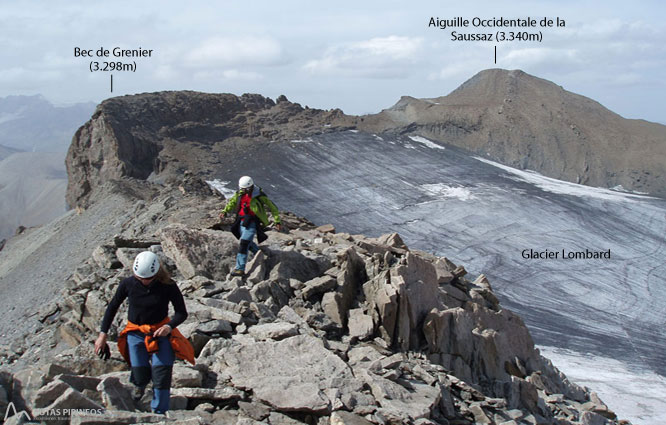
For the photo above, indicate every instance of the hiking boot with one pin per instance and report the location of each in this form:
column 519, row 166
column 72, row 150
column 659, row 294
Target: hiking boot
column 137, row 393
column 237, row 272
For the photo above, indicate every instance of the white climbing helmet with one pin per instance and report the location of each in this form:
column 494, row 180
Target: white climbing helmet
column 245, row 182
column 146, row 264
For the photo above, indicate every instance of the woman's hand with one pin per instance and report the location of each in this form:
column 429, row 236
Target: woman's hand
column 162, row 331
column 100, row 343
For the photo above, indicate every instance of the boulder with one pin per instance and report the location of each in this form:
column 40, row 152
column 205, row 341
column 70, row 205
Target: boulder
column 211, row 394
column 275, row 331
column 333, row 305
column 79, row 382
column 215, row 327
column 360, row 324
column 105, row 257
column 326, row 228
column 416, row 401
column 382, row 299
column 186, row 376
column 347, row 418
column 237, row 295
column 256, row 411
column 285, row 265
column 290, row 375
column 206, row 253
column 49, row 393
column 318, row 285
column 67, row 401
column 115, row 395
column 256, row 268
column 114, row 418
column 591, row 418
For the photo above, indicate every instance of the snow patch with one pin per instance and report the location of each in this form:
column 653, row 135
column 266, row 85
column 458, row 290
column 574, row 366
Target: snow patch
column 440, row 190
column 635, row 394
column 222, row 187
column 354, row 131
column 308, row 140
column 562, row 187
column 428, row 143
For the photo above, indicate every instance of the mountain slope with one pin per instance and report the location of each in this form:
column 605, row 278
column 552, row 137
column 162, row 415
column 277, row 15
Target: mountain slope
column 530, row 123
column 32, row 190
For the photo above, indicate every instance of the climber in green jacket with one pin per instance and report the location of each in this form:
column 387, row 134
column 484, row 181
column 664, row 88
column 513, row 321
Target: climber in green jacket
column 250, row 203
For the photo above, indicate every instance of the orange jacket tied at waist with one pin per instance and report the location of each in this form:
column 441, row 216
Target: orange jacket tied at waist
column 181, row 346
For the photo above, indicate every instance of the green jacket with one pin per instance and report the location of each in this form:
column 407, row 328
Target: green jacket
column 258, row 205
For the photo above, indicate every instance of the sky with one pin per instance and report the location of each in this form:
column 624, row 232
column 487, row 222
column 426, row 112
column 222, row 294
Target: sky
column 359, row 56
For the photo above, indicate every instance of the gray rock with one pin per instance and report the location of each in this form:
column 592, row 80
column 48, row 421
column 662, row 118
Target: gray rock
column 126, row 256
column 306, row 369
column 333, row 305
column 318, row 285
column 50, row 393
column 205, row 407
column 105, row 257
column 70, row 399
column 256, row 411
column 256, row 268
column 186, row 376
column 326, row 228
column 276, row 418
column 395, row 400
column 347, row 418
column 94, row 308
column 480, row 417
column 212, row 394
column 360, row 324
column 115, row 395
column 199, row 252
column 591, row 418
column 285, row 265
column 178, row 402
column 79, row 382
column 237, row 295
column 382, row 298
column 115, row 418
column 276, row 331
column 214, row 327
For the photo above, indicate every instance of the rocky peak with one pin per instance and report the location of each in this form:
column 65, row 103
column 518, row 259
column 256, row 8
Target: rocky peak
column 531, row 123
column 150, row 134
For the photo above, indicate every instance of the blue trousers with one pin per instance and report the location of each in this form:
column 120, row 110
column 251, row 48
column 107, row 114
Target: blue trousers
column 157, row 366
column 246, row 244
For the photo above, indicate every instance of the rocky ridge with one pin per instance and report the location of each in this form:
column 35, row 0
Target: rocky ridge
column 156, row 135
column 326, row 328
column 508, row 116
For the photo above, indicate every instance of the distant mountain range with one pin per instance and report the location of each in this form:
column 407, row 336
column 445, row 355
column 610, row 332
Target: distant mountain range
column 34, row 136
column 32, row 123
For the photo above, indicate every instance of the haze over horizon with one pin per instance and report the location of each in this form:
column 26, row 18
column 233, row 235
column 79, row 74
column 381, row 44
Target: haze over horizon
column 360, row 58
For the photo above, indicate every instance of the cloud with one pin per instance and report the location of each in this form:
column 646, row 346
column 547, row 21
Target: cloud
column 228, row 74
column 531, row 57
column 235, row 51
column 381, row 57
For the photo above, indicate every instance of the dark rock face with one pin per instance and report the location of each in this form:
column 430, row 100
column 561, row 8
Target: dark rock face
column 168, row 132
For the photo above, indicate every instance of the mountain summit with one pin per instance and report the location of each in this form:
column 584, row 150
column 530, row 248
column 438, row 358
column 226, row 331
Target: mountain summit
column 531, row 123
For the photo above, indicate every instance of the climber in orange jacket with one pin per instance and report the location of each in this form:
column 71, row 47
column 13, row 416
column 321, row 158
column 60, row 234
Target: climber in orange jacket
column 150, row 341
